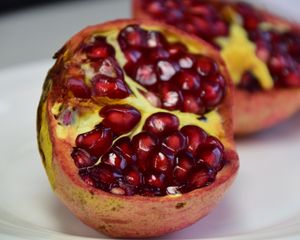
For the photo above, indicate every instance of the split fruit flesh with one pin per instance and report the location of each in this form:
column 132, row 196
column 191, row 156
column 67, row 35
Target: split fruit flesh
column 129, row 131
column 261, row 50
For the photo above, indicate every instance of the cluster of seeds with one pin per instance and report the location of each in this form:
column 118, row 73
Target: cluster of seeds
column 164, row 157
column 175, row 79
column 280, row 50
column 160, row 160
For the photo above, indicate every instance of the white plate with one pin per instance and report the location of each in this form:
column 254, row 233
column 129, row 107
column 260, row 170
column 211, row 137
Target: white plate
column 264, row 202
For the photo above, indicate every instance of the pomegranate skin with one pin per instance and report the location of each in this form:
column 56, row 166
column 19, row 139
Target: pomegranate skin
column 127, row 216
column 255, row 111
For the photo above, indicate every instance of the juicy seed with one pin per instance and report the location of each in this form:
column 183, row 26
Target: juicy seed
column 166, row 70
column 133, row 36
column 124, row 147
column 96, row 142
column 184, row 163
column 109, row 87
column 206, row 66
column 156, row 180
column 146, row 75
column 195, row 136
column 161, row 162
column 161, row 124
column 212, row 94
column 144, row 145
column 120, row 118
column 114, row 159
column 175, row 142
column 82, row 158
column 78, row 88
column 188, row 80
column 192, row 104
column 200, row 176
column 133, row 177
column 99, row 50
column 171, row 96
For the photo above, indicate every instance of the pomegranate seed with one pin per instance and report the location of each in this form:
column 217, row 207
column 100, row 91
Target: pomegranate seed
column 171, row 97
column 103, row 174
column 192, row 104
column 166, row 70
column 174, row 15
column 188, row 80
column 110, row 68
column 184, row 163
column 153, row 99
column 99, row 50
column 144, row 145
column 158, row 53
column 211, row 153
column 109, row 87
column 155, row 39
column 156, row 180
column 84, row 174
column 114, row 159
column 200, row 176
column 120, row 118
column 249, row 82
column 133, row 55
column 132, row 35
column 78, row 88
column 161, row 162
column 195, row 136
column 82, row 158
column 293, row 79
column 146, row 75
column 96, row 142
column 175, row 142
column 186, row 61
column 156, row 8
column 123, row 146
column 212, row 94
column 177, row 49
column 67, row 116
column 133, row 177
column 161, row 124
column 206, row 66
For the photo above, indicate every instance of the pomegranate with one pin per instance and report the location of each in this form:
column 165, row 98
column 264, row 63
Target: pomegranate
column 123, row 153
column 261, row 50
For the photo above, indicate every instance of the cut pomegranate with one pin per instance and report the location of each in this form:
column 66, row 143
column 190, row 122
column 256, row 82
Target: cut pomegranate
column 170, row 63
column 130, row 123
column 269, row 43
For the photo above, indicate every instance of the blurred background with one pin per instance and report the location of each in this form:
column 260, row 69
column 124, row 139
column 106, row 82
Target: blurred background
column 33, row 30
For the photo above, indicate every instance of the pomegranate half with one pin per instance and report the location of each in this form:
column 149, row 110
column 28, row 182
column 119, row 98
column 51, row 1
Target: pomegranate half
column 135, row 128
column 261, row 50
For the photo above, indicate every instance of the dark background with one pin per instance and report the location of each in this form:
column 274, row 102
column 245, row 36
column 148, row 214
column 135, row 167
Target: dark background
column 13, row 5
